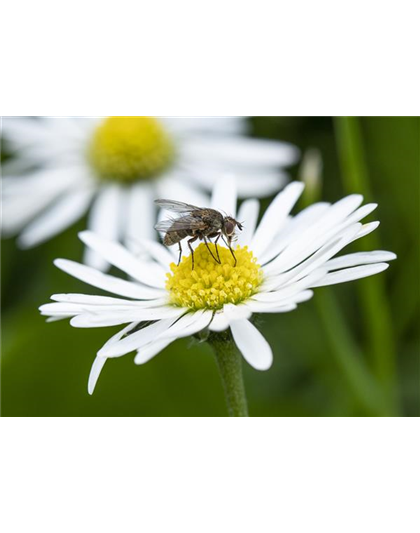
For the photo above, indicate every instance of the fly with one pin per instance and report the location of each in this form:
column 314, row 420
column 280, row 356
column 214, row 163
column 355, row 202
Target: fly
column 198, row 223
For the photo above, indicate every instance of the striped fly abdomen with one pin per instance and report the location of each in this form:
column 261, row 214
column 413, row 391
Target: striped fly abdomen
column 173, row 237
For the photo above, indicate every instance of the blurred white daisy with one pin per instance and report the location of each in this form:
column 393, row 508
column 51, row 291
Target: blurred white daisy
column 116, row 166
column 278, row 263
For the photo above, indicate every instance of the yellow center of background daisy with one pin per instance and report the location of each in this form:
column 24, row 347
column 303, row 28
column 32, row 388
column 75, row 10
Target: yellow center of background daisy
column 130, row 148
column 210, row 285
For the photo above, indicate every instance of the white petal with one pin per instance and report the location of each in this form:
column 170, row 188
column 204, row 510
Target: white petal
column 22, row 131
column 151, row 350
column 109, row 312
column 262, row 307
column 95, row 372
column 318, row 232
column 99, row 362
column 253, row 346
column 57, row 218
column 334, row 223
column 137, row 339
column 184, row 322
column 303, row 296
column 260, row 184
column 47, row 141
column 366, row 229
column 319, row 258
column 56, row 318
column 172, row 186
column 236, row 312
column 60, row 309
column 275, row 217
column 224, row 195
column 212, row 125
column 331, row 225
column 155, row 250
column 293, row 229
column 360, row 258
column 56, row 178
column 107, row 318
column 118, row 336
column 23, row 197
column 248, row 215
column 250, row 182
column 311, row 233
column 188, row 325
column 280, row 306
column 344, row 207
column 219, row 322
column 104, row 219
column 88, row 299
column 288, row 292
column 140, row 214
column 362, row 212
column 240, row 151
column 350, row 274
column 61, row 131
column 147, row 273
column 17, row 211
column 106, row 282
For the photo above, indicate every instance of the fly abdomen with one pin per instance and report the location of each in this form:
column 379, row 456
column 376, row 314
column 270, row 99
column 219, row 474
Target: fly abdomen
column 173, row 237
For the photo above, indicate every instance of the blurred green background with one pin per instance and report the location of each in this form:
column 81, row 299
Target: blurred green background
column 353, row 350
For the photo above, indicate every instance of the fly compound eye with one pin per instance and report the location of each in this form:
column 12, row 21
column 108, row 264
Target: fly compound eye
column 229, row 227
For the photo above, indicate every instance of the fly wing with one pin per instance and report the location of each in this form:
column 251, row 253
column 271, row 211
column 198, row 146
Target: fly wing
column 176, row 207
column 186, row 222
column 164, row 225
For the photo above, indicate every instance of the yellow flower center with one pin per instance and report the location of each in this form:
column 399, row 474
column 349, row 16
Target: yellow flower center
column 130, row 148
column 210, row 285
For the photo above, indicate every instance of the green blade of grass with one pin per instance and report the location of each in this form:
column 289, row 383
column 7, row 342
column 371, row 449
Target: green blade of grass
column 375, row 305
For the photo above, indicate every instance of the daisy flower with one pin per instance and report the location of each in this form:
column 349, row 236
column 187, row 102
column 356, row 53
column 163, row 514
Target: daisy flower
column 114, row 167
column 279, row 262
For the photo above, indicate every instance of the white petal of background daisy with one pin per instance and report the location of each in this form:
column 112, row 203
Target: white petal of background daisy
column 115, row 166
column 278, row 264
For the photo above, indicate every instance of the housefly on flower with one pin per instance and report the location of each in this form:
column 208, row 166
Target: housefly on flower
column 198, row 223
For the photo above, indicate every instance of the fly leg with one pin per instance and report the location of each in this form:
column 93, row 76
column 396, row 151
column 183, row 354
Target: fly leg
column 217, row 249
column 233, row 255
column 180, row 252
column 230, row 248
column 209, row 249
column 218, row 235
column 192, row 251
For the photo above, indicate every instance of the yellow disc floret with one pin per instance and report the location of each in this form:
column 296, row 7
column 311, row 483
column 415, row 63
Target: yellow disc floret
column 130, row 148
column 211, row 285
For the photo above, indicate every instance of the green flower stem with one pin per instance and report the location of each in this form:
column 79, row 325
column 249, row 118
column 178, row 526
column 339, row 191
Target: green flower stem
column 377, row 315
column 229, row 361
column 349, row 358
column 352, row 159
column 346, row 353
